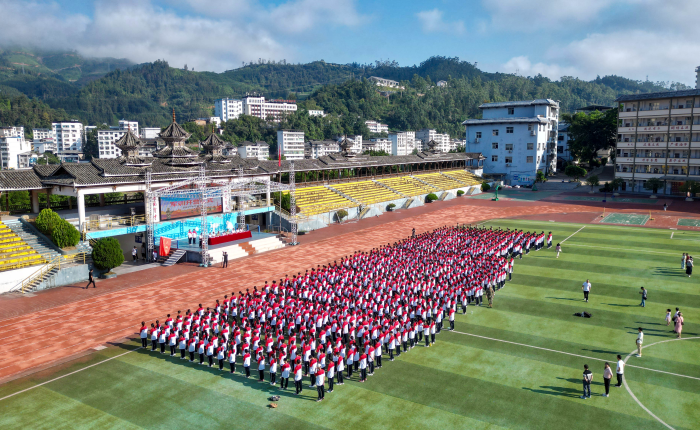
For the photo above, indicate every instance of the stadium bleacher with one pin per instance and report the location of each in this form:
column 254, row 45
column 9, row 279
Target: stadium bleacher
column 367, row 192
column 14, row 252
column 464, row 176
column 440, row 181
column 319, row 199
column 407, row 185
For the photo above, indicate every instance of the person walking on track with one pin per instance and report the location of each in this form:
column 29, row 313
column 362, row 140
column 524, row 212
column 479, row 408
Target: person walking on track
column 91, row 280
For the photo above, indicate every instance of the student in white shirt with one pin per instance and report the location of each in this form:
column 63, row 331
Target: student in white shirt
column 640, row 340
column 620, row 370
column 320, row 387
column 586, row 287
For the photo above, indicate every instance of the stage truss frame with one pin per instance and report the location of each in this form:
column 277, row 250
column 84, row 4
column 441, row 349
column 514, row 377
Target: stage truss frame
column 204, row 188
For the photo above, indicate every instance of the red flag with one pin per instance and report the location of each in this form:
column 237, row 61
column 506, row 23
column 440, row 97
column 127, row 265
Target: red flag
column 279, row 157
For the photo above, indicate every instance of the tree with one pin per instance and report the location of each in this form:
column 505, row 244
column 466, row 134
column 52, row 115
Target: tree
column 64, row 234
column 341, row 214
column 591, row 133
column 593, row 181
column 540, row 176
column 376, row 153
column 431, row 197
column 485, row 186
column 46, row 220
column 574, row 171
column 691, row 187
column 107, row 254
column 48, row 158
column 616, row 183
column 653, row 184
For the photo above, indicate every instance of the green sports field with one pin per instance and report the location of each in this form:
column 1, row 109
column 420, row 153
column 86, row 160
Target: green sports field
column 518, row 365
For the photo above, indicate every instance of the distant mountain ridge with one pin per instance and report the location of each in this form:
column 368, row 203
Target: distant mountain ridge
column 104, row 90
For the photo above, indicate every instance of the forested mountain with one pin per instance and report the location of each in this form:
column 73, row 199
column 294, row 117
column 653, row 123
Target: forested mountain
column 148, row 92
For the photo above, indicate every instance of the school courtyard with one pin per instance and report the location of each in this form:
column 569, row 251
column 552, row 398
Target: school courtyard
column 70, row 357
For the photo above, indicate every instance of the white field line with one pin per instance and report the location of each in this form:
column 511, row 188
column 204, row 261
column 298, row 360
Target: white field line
column 67, row 374
column 624, row 381
column 578, row 355
column 572, row 234
column 602, row 226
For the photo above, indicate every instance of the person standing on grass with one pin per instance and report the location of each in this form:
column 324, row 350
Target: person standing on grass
column 668, row 317
column 607, row 376
column 679, row 324
column 683, row 261
column 489, row 295
column 144, row 334
column 586, row 287
column 640, row 340
column 587, row 378
column 644, row 297
column 620, row 371
column 689, row 266
column 558, row 248
column 298, row 385
column 320, row 387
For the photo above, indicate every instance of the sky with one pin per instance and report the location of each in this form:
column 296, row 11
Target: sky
column 637, row 39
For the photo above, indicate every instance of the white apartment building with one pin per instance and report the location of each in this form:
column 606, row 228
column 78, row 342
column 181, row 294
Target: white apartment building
column 402, row 143
column 355, row 140
column 316, row 112
column 25, row 160
column 227, row 108
column 377, row 127
column 319, row 148
column 69, row 135
column 378, row 144
column 517, row 138
column 291, row 144
column 107, row 138
column 444, row 142
column 257, row 106
column 44, row 145
column 43, row 133
column 697, row 78
column 258, row 150
column 12, row 144
column 150, row 132
column 381, row 82
column 658, row 136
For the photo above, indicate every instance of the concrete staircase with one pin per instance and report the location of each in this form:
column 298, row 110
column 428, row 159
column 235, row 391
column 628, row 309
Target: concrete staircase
column 267, row 244
column 174, row 257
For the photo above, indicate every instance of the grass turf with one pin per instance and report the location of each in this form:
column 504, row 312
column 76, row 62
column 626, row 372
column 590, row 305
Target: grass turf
column 462, row 382
column 627, row 219
column 689, row 222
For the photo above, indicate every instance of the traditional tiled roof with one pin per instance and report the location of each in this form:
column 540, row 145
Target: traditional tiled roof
column 128, row 142
column 177, row 152
column 174, row 131
column 213, row 141
column 102, row 171
column 20, row 180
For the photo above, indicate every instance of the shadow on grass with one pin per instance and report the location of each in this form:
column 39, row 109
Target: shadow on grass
column 238, row 376
column 556, row 391
column 665, row 271
column 619, row 306
column 576, row 381
column 601, row 351
column 564, row 298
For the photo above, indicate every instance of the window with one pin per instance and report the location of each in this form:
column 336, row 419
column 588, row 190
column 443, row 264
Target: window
column 509, row 130
column 511, row 111
column 529, row 127
column 478, row 135
column 538, row 159
column 530, row 146
column 509, row 159
column 494, row 158
column 529, row 159
column 560, row 149
column 494, row 145
column 509, row 146
column 495, row 132
column 560, row 137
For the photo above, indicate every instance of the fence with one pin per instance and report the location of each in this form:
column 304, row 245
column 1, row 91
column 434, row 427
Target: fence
column 70, row 203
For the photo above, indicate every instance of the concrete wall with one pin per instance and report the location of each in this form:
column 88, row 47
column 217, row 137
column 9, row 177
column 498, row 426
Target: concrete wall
column 10, row 279
column 66, row 276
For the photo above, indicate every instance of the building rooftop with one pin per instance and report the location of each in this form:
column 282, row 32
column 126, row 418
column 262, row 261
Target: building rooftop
column 659, row 95
column 519, row 120
column 519, row 103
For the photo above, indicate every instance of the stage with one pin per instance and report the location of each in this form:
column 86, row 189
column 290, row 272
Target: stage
column 182, row 243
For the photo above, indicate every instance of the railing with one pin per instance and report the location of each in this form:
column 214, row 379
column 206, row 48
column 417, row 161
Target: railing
column 106, row 222
column 56, row 262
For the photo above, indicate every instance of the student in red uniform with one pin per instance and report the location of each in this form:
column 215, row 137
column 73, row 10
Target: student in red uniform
column 246, row 363
column 363, row 367
column 286, row 369
column 297, row 377
column 320, row 387
column 330, row 375
column 144, row 334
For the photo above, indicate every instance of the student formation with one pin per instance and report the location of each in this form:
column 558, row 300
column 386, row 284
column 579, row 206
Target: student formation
column 340, row 319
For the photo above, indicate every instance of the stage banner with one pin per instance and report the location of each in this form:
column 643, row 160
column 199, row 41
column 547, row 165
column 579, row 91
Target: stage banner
column 184, row 207
column 164, row 246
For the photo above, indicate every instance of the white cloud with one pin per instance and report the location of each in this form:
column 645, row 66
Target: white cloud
column 432, row 22
column 211, row 35
column 522, row 66
column 542, row 15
